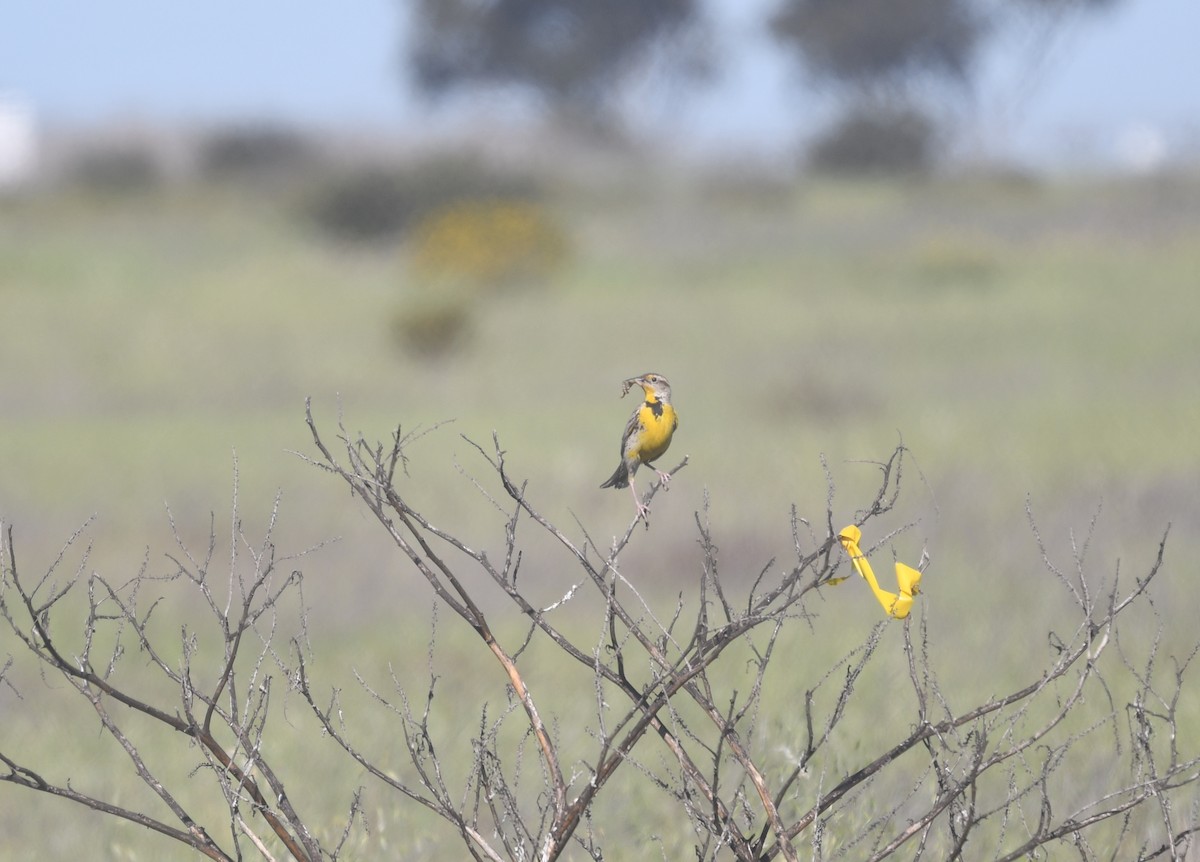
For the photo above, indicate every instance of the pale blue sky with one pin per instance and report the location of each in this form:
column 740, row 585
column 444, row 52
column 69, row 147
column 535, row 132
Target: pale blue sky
column 1108, row 85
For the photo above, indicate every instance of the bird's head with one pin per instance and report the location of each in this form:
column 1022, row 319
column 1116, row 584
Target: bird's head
column 654, row 385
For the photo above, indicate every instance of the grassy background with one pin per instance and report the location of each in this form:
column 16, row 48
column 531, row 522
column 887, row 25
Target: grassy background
column 1027, row 341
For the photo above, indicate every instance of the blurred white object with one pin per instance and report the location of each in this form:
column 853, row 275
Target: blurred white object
column 1142, row 148
column 18, row 143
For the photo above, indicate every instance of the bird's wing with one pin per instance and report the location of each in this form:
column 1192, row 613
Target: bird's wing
column 631, row 428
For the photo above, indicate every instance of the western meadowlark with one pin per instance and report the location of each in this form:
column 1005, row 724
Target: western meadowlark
column 647, row 434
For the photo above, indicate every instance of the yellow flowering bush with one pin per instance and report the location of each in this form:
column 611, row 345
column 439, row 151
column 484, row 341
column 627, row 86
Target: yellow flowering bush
column 466, row 249
column 486, row 244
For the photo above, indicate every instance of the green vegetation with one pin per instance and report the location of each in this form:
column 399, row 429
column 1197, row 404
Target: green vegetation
column 1027, row 342
column 377, row 203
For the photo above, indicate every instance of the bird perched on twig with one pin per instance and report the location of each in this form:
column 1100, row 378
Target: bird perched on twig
column 647, row 434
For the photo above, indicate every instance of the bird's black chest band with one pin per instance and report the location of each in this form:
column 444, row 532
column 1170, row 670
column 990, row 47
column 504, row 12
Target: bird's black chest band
column 656, row 408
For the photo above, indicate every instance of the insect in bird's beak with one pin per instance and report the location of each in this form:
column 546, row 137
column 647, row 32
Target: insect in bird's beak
column 628, row 384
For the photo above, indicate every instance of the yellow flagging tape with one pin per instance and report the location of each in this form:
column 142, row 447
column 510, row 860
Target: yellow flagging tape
column 907, row 577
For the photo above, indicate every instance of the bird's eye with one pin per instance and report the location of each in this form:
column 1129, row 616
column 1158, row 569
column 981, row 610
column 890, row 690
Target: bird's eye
column 653, row 378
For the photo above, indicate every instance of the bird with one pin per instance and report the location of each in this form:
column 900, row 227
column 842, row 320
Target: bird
column 647, row 434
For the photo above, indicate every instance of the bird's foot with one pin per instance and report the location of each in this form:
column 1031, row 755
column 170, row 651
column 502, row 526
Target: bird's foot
column 665, row 478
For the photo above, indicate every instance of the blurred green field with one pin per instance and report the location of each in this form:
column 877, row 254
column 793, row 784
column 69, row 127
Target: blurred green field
column 1027, row 341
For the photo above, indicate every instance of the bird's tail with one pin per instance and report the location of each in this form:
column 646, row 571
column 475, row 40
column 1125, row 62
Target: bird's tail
column 619, row 479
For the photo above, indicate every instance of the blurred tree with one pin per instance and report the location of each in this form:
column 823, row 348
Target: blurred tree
column 116, row 168
column 257, row 151
column 876, row 138
column 1068, row 5
column 572, row 54
column 885, row 57
column 867, row 43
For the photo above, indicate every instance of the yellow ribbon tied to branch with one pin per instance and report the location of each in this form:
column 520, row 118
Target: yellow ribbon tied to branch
column 896, row 605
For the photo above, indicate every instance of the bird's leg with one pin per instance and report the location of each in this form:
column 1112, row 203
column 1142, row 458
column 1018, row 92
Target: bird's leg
column 642, row 511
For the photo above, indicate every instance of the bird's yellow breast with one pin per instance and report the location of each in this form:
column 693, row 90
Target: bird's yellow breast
column 657, row 422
